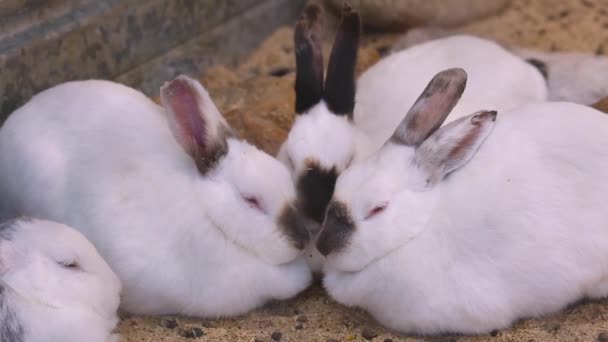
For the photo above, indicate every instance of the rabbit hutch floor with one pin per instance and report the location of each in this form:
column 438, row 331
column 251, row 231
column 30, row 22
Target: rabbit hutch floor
column 257, row 98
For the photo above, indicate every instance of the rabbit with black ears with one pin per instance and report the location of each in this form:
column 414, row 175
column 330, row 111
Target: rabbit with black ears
column 341, row 121
column 193, row 220
column 54, row 286
column 470, row 226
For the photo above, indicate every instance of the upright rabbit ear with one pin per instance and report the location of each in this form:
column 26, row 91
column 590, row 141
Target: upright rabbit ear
column 195, row 121
column 453, row 145
column 309, row 58
column 432, row 107
column 340, row 87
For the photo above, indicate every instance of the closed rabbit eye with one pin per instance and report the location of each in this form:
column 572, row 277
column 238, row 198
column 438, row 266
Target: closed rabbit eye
column 253, row 202
column 376, row 210
column 70, row 265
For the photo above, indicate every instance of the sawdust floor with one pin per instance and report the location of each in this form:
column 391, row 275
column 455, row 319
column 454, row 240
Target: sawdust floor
column 257, row 98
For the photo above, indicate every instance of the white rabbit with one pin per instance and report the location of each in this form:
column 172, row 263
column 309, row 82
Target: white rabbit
column 54, row 286
column 325, row 137
column 468, row 227
column 571, row 76
column 192, row 219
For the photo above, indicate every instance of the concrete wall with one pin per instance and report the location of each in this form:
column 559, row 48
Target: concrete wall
column 140, row 43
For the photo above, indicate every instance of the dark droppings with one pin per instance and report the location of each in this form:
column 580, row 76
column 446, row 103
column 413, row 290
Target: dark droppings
column 170, row 323
column 276, row 336
column 368, row 334
column 192, row 333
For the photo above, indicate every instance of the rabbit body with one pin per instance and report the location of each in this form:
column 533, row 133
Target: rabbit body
column 54, row 286
column 101, row 156
column 336, row 127
column 520, row 231
column 497, row 79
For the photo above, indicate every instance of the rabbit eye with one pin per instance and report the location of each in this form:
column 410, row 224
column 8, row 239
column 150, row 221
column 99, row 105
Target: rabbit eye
column 70, row 265
column 253, row 202
column 375, row 211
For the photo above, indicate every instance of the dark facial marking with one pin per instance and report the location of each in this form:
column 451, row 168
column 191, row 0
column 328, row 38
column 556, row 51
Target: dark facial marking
column 309, row 59
column 337, row 229
column 540, row 65
column 432, row 107
column 293, row 226
column 340, row 83
column 10, row 328
column 315, row 188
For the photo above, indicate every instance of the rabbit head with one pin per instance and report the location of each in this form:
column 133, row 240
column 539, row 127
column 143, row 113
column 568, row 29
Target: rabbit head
column 248, row 194
column 384, row 201
column 52, row 265
column 321, row 142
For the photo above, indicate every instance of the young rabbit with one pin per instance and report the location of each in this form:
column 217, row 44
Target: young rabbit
column 326, row 137
column 54, row 286
column 468, row 227
column 192, row 219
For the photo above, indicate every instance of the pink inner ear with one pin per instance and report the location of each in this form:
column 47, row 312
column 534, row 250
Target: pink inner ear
column 184, row 102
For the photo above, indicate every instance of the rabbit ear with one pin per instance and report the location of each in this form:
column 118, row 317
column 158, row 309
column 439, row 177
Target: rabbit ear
column 432, row 107
column 339, row 91
column 195, row 121
column 453, row 145
column 309, row 58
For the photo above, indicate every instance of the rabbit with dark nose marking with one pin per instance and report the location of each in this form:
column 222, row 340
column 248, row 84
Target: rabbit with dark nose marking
column 336, row 126
column 54, row 286
column 470, row 226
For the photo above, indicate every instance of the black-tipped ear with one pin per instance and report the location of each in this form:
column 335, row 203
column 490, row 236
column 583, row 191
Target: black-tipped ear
column 309, row 58
column 432, row 107
column 340, row 82
column 195, row 121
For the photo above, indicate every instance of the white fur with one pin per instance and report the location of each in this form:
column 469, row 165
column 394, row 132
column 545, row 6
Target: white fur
column 519, row 231
column 497, row 80
column 101, row 156
column 572, row 76
column 52, row 303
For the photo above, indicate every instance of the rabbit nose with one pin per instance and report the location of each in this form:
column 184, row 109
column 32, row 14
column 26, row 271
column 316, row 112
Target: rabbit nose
column 294, row 226
column 337, row 229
